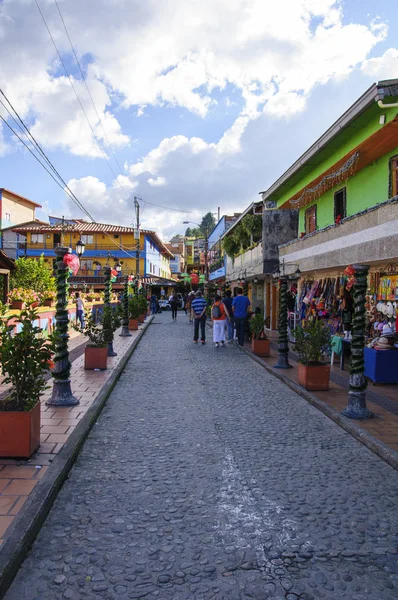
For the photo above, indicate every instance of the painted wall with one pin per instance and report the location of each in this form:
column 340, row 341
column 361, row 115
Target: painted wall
column 18, row 211
column 217, row 232
column 366, row 188
column 363, row 127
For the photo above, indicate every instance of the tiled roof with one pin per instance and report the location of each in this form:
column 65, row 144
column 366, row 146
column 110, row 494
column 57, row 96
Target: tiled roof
column 21, row 197
column 84, row 227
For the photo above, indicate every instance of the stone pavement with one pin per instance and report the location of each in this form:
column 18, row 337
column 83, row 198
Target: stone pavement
column 18, row 477
column 206, row 478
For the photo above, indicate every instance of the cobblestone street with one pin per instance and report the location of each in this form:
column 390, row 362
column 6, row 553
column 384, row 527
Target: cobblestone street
column 206, row 478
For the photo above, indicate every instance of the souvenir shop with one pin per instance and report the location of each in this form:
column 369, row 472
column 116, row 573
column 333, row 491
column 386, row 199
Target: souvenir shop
column 330, row 298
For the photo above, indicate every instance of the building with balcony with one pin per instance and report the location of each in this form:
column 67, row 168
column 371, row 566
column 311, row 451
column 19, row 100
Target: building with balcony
column 104, row 244
column 14, row 210
column 177, row 248
column 345, row 189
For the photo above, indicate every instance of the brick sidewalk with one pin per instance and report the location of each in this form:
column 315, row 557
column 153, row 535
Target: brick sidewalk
column 19, row 477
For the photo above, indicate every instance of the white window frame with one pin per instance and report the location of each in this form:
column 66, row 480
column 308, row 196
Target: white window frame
column 37, row 238
column 88, row 240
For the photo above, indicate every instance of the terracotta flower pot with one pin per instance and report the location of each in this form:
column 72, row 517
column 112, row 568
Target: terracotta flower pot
column 35, row 304
column 95, row 358
column 133, row 324
column 47, row 303
column 141, row 318
column 20, row 432
column 17, row 304
column 315, row 378
column 261, row 347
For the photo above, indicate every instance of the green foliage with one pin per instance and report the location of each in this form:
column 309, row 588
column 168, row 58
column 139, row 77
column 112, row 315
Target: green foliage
column 142, row 303
column 33, row 275
column 256, row 325
column 25, row 359
column 207, row 223
column 135, row 309
column 100, row 333
column 253, row 226
column 111, row 320
column 312, row 342
column 231, row 248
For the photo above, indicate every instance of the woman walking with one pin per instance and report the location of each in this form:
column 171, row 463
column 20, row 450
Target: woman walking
column 219, row 316
column 174, row 305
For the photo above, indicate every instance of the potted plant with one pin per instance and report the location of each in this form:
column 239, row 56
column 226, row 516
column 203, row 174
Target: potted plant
column 261, row 345
column 312, row 343
column 134, row 312
column 96, row 351
column 47, row 298
column 25, row 359
column 143, row 304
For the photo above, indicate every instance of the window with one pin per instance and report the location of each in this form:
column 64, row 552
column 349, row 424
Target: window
column 86, row 265
column 310, row 219
column 340, row 204
column 116, row 236
column 37, row 238
column 7, row 217
column 393, row 176
column 88, row 239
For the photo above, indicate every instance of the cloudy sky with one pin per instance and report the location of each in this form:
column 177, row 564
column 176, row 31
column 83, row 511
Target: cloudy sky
column 197, row 105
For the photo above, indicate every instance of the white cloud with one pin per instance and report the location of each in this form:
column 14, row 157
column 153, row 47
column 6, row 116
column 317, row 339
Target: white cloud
column 157, row 182
column 382, row 67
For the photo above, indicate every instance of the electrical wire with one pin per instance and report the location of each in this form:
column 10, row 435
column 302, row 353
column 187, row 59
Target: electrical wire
column 92, row 101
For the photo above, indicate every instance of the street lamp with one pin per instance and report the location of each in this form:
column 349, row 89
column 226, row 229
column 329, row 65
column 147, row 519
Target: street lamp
column 80, row 247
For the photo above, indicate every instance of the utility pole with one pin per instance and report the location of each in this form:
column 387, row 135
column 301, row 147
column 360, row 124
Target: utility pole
column 137, row 252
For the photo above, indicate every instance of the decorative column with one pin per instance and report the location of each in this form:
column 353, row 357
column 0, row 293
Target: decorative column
column 356, row 408
column 106, row 321
column 62, row 393
column 125, row 321
column 283, row 345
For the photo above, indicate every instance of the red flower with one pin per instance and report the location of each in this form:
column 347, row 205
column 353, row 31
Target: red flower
column 51, row 364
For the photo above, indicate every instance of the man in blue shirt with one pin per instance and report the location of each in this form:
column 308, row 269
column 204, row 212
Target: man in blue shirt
column 199, row 311
column 240, row 305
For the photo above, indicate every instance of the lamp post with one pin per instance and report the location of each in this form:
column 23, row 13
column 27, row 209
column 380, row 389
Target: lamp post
column 80, row 247
column 283, row 338
column 62, row 392
column 125, row 321
column 107, row 325
column 356, row 408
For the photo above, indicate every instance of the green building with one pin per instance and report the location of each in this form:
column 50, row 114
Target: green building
column 345, row 187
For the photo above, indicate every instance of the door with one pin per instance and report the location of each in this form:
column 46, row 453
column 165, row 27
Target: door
column 57, row 239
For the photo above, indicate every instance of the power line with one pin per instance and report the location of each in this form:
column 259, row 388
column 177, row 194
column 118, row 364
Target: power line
column 74, row 89
column 82, row 107
column 86, row 86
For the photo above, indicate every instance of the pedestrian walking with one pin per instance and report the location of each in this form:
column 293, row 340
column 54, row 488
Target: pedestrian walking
column 153, row 304
column 227, row 301
column 199, row 306
column 174, row 305
column 79, row 309
column 188, row 306
column 240, row 306
column 219, row 318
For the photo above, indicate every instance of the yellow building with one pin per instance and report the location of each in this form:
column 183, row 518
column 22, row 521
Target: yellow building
column 104, row 244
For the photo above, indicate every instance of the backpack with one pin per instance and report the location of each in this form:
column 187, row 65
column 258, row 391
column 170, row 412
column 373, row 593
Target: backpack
column 216, row 311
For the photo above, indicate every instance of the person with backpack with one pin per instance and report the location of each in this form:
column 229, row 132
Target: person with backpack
column 219, row 317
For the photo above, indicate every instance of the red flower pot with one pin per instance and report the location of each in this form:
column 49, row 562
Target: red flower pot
column 314, row 378
column 133, row 324
column 95, row 358
column 17, row 304
column 47, row 303
column 20, row 432
column 261, row 347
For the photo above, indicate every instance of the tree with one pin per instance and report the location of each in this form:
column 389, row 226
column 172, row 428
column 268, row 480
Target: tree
column 33, row 274
column 207, row 224
column 188, row 232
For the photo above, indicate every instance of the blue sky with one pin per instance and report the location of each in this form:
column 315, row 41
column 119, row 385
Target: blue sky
column 204, row 105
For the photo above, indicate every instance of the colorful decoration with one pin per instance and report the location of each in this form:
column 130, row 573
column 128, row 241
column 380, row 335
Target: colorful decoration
column 356, row 408
column 283, row 346
column 328, row 182
column 349, row 272
column 194, row 278
column 73, row 262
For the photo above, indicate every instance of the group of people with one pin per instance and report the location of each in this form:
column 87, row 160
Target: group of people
column 229, row 316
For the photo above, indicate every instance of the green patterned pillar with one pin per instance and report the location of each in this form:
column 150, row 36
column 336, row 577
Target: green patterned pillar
column 107, row 319
column 62, row 393
column 283, row 338
column 356, row 408
column 125, row 321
